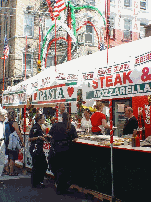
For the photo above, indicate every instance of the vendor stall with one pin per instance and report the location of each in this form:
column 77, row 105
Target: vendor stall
column 126, row 79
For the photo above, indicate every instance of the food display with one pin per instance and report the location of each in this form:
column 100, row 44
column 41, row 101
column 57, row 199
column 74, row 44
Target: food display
column 104, row 140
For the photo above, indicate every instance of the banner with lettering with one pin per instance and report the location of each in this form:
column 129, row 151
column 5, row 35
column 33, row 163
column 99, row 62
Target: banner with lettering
column 14, row 99
column 128, row 79
column 66, row 92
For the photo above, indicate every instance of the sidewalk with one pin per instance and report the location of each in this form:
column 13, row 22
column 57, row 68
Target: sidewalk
column 19, row 189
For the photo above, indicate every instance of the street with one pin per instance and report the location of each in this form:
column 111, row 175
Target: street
column 19, row 189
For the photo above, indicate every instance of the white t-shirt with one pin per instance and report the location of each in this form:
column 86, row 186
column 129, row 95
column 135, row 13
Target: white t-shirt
column 60, row 117
column 2, row 148
column 85, row 123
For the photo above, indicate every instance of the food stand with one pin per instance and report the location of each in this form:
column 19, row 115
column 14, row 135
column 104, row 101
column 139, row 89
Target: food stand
column 126, row 80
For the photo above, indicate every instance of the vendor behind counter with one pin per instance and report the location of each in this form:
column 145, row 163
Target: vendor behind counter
column 86, row 120
column 98, row 119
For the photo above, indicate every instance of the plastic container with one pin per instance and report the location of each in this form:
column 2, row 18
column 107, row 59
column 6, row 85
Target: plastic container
column 125, row 142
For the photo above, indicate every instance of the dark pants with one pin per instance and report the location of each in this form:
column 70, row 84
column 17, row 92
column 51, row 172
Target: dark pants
column 97, row 133
column 63, row 170
column 39, row 168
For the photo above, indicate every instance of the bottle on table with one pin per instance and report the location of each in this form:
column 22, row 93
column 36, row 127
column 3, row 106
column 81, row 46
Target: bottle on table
column 133, row 142
column 140, row 133
column 134, row 138
column 137, row 141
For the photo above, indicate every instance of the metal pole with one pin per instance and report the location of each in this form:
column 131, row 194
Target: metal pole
column 111, row 141
column 57, row 112
column 4, row 74
column 55, row 46
column 107, row 27
column 24, row 134
column 110, row 101
column 25, row 57
column 39, row 38
column 25, row 114
column 68, row 36
column 69, row 42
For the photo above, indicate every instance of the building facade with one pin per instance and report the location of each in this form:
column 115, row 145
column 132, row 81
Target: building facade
column 18, row 20
column 21, row 20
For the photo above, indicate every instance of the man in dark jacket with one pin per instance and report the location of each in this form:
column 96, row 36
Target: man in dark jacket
column 62, row 134
column 39, row 163
column 131, row 124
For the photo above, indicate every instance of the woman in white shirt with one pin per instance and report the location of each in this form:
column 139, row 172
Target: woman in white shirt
column 86, row 121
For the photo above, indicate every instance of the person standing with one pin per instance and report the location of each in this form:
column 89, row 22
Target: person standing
column 98, row 119
column 13, row 154
column 131, row 124
column 61, row 111
column 39, row 164
column 62, row 135
column 86, row 121
column 3, row 113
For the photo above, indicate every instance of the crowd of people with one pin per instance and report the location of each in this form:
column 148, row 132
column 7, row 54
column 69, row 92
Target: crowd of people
column 61, row 137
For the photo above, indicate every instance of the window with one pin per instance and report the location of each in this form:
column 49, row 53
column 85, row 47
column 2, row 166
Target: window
column 10, row 27
column 112, row 30
column 127, row 3
column 28, row 63
column 89, row 52
column 127, row 29
column 143, row 5
column 28, row 25
column 50, row 61
column 80, row 38
column 0, row 32
column 74, row 2
column 142, row 31
column 90, row 2
column 48, row 24
column 6, row 27
column 89, row 33
column 10, row 23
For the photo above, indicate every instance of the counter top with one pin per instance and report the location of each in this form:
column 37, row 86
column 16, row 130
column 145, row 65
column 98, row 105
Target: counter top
column 123, row 147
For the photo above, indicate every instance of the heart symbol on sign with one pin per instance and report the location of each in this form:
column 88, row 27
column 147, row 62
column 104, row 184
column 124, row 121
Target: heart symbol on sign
column 35, row 96
column 70, row 91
